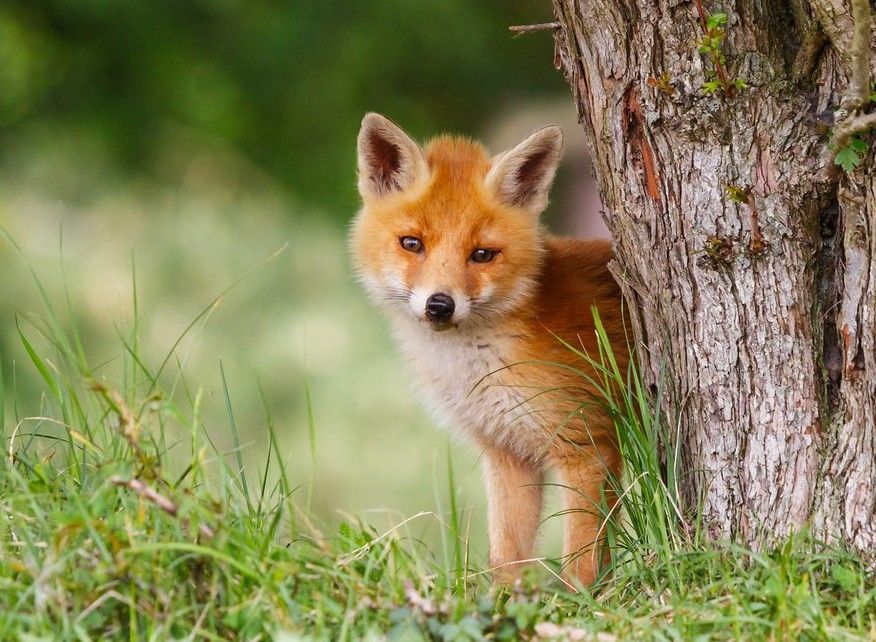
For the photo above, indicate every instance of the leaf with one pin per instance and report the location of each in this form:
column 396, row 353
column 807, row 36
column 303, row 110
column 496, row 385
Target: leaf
column 716, row 20
column 847, row 158
column 711, row 86
column 450, row 632
column 858, row 145
column 846, row 578
column 82, row 439
column 471, row 627
column 736, row 193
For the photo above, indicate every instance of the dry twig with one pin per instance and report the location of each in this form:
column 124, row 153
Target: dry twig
column 163, row 502
column 128, row 425
column 543, row 26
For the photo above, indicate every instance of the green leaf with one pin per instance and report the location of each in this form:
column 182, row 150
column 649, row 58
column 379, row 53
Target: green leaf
column 716, row 20
column 40, row 365
column 711, row 86
column 847, row 158
column 471, row 627
column 846, row 578
column 858, row 145
column 450, row 632
column 736, row 193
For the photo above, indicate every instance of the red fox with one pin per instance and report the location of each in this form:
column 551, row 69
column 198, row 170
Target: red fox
column 481, row 298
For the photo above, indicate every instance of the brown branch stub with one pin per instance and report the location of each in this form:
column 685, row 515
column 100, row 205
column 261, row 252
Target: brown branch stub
column 756, row 245
column 859, row 82
column 147, row 492
column 542, row 26
column 851, row 126
column 128, row 425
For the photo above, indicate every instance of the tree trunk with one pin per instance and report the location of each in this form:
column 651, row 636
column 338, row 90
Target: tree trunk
column 746, row 255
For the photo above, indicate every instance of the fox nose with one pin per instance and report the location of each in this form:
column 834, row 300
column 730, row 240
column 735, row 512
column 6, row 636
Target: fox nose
column 439, row 307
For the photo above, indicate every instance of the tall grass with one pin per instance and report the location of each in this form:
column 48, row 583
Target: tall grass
column 645, row 518
column 648, row 519
column 124, row 520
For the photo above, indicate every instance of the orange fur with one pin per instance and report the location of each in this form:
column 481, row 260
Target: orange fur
column 500, row 374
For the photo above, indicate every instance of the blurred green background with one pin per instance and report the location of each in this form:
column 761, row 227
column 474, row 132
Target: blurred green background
column 192, row 139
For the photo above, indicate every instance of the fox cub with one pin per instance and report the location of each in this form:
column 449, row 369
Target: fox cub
column 482, row 299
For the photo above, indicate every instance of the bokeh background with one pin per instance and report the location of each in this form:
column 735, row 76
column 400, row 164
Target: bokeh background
column 185, row 141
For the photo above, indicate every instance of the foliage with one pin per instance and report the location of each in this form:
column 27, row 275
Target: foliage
column 849, row 156
column 648, row 519
column 737, row 193
column 662, row 83
column 284, row 84
column 712, row 43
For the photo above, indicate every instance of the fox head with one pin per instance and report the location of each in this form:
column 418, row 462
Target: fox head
column 448, row 235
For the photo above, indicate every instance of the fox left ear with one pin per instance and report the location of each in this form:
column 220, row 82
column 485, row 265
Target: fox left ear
column 389, row 160
column 522, row 176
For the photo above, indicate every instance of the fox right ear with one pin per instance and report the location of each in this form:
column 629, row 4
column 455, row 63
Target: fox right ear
column 389, row 161
column 522, row 176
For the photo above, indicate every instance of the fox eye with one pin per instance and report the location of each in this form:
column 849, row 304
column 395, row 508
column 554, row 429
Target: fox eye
column 483, row 255
column 411, row 244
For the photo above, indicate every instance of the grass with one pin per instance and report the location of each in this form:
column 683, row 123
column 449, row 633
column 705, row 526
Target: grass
column 124, row 521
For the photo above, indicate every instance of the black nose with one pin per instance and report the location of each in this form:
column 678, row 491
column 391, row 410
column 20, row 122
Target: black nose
column 439, row 307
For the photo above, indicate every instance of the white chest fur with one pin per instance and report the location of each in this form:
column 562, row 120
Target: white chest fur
column 463, row 377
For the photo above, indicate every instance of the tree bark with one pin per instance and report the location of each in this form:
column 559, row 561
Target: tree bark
column 746, row 256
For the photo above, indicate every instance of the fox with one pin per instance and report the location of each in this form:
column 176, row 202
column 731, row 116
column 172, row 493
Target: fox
column 486, row 306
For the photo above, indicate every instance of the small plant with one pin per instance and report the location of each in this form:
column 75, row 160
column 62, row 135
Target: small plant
column 757, row 245
column 661, row 83
column 718, row 251
column 849, row 156
column 711, row 44
column 737, row 193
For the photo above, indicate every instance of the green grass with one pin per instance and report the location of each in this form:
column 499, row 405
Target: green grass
column 122, row 520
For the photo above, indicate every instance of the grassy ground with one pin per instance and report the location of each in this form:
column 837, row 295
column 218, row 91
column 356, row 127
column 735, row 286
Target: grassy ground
column 125, row 520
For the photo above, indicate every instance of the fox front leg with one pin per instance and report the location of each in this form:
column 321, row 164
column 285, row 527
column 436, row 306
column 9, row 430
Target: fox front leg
column 583, row 476
column 514, row 498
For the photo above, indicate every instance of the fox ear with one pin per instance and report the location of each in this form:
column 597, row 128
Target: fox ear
column 389, row 161
column 522, row 176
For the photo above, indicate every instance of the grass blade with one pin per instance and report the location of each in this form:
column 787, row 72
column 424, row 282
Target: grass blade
column 241, row 472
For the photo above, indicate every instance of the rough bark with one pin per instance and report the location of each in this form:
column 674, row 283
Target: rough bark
column 748, row 261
